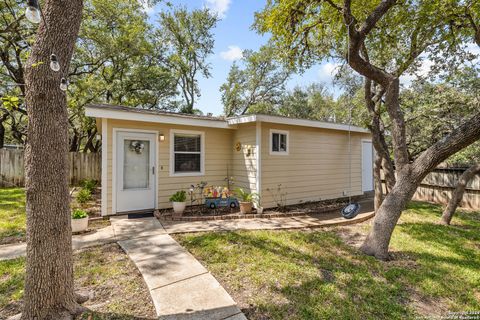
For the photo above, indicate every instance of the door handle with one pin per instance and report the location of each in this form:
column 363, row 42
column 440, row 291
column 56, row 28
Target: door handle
column 153, row 170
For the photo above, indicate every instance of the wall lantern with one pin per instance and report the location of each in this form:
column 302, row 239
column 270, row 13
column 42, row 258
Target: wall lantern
column 161, row 137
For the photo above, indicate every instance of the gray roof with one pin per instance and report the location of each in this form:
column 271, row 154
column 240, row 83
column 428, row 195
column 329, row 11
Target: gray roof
column 153, row 111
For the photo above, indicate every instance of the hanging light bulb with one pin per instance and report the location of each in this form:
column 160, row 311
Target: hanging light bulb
column 33, row 11
column 63, row 84
column 54, row 65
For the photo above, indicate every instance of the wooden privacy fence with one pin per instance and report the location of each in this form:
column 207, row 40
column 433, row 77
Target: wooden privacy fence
column 438, row 187
column 439, row 184
column 82, row 166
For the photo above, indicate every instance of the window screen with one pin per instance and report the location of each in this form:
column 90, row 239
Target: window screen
column 187, row 153
column 279, row 142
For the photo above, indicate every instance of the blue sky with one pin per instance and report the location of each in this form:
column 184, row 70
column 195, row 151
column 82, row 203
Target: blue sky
column 232, row 35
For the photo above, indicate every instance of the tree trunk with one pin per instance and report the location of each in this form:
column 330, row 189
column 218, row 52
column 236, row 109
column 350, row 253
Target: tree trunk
column 49, row 290
column 2, row 130
column 378, row 182
column 457, row 195
column 386, row 218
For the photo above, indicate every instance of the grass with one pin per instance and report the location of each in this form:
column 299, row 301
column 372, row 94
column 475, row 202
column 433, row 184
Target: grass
column 316, row 275
column 12, row 215
column 117, row 286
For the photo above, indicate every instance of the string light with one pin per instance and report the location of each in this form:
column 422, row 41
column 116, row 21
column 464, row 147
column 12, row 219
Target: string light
column 33, row 11
column 63, row 84
column 34, row 14
column 54, row 65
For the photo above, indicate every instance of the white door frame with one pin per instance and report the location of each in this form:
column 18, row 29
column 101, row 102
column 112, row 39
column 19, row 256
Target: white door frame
column 114, row 164
column 361, row 169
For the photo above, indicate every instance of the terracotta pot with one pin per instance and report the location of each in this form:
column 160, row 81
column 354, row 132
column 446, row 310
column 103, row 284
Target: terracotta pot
column 79, row 225
column 178, row 208
column 245, row 207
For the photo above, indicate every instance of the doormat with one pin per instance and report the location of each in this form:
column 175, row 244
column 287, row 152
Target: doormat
column 140, row 215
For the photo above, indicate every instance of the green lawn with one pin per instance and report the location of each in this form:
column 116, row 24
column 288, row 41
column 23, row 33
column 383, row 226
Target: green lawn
column 316, row 275
column 12, row 215
column 13, row 218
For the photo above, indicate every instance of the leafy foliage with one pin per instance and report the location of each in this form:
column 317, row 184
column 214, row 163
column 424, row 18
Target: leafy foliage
column 79, row 214
column 246, row 196
column 84, row 195
column 179, row 196
column 258, row 85
column 187, row 39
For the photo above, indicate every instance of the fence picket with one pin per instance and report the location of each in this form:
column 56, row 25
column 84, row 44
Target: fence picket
column 82, row 166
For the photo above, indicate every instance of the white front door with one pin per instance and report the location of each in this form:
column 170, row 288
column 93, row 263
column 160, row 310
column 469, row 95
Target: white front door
column 135, row 171
column 367, row 166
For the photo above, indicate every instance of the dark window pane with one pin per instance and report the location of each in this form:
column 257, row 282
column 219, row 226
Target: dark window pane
column 187, row 143
column 187, row 162
column 283, row 142
column 275, row 142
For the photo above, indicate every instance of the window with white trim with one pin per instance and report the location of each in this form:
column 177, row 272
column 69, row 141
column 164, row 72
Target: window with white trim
column 278, row 142
column 187, row 153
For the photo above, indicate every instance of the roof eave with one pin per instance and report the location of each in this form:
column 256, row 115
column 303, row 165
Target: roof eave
column 294, row 122
column 99, row 112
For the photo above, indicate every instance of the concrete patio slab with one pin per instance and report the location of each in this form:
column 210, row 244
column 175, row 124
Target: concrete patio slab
column 200, row 297
column 300, row 222
column 125, row 228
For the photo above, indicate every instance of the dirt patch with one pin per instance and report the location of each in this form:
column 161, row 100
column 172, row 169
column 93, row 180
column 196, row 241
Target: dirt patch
column 115, row 286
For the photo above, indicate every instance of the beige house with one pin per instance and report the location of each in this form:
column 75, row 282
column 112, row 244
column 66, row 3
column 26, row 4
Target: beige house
column 149, row 155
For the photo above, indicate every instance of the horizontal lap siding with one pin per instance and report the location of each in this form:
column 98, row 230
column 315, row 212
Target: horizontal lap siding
column 218, row 151
column 316, row 168
column 245, row 166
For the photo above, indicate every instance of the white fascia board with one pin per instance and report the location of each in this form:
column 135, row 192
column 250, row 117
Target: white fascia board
column 157, row 118
column 295, row 122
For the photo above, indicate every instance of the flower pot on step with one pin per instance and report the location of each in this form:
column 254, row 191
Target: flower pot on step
column 79, row 225
column 245, row 207
column 178, row 208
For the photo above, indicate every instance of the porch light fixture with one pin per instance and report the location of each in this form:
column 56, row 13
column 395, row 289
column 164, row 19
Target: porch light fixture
column 161, row 137
column 33, row 11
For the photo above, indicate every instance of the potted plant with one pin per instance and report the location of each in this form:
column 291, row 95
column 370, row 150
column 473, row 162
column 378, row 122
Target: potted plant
column 246, row 200
column 178, row 200
column 79, row 220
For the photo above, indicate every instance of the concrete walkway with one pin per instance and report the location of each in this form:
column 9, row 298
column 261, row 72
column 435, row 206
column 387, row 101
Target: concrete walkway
column 181, row 288
column 302, row 222
column 95, row 238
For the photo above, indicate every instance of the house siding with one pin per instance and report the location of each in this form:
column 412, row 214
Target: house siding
column 316, row 167
column 218, row 153
column 244, row 162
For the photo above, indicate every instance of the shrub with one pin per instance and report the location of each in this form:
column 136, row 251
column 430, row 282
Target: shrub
column 79, row 214
column 89, row 184
column 179, row 196
column 84, row 196
column 246, row 196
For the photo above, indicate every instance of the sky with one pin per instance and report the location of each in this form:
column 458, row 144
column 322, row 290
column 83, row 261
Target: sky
column 233, row 34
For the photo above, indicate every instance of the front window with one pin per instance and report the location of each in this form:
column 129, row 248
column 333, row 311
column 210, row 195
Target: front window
column 187, row 153
column 279, row 142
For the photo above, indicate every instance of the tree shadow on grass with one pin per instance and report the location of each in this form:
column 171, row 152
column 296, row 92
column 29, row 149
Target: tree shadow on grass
column 303, row 275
